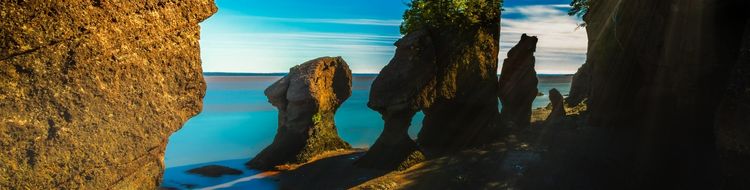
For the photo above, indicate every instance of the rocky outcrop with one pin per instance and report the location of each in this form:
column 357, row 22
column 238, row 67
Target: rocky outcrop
column 91, row 90
column 517, row 83
column 732, row 127
column 307, row 99
column 401, row 89
column 558, row 108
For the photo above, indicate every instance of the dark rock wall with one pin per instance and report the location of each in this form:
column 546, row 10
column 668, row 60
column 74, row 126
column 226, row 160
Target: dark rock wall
column 658, row 71
column 733, row 123
column 91, row 90
column 307, row 99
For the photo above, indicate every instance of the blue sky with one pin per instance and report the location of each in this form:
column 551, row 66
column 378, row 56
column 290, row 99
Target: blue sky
column 262, row 36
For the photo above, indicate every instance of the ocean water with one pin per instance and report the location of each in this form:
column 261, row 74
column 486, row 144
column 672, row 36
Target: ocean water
column 237, row 122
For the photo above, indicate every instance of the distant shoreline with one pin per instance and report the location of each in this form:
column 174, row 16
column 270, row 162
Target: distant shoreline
column 355, row 74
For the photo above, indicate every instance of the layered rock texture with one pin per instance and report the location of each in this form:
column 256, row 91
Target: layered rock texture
column 558, row 108
column 91, row 90
column 403, row 87
column 517, row 83
column 307, row 99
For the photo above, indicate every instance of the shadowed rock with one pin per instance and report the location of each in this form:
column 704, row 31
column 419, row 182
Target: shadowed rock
column 558, row 108
column 732, row 127
column 307, row 99
column 402, row 88
column 464, row 110
column 90, row 91
column 580, row 87
column 517, row 83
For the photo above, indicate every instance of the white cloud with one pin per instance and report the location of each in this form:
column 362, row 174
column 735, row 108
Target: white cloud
column 562, row 45
column 276, row 52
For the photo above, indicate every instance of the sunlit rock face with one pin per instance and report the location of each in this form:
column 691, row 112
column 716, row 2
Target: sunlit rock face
column 307, row 99
column 517, row 83
column 402, row 88
column 91, row 90
column 658, row 72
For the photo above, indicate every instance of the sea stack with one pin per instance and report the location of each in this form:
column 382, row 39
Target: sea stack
column 401, row 89
column 517, row 83
column 558, row 108
column 90, row 91
column 307, row 99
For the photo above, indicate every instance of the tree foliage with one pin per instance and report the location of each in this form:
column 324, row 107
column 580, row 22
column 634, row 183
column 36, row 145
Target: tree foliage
column 578, row 7
column 439, row 13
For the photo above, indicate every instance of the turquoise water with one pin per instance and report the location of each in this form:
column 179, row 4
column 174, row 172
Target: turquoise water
column 237, row 122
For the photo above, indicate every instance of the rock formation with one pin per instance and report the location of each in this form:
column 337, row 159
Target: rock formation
column 91, row 90
column 449, row 72
column 464, row 109
column 558, row 108
column 307, row 99
column 403, row 87
column 517, row 83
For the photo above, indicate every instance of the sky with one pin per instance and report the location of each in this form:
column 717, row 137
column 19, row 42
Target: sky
column 262, row 36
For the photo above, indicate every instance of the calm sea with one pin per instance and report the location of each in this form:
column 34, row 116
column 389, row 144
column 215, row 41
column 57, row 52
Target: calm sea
column 237, row 122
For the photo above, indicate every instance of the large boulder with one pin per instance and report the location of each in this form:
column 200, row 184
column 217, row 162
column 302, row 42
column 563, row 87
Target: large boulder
column 91, row 90
column 517, row 83
column 403, row 87
column 307, row 99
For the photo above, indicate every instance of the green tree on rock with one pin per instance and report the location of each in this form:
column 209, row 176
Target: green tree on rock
column 439, row 13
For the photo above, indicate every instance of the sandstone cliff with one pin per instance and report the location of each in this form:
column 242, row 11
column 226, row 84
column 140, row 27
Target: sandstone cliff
column 307, row 99
column 91, row 90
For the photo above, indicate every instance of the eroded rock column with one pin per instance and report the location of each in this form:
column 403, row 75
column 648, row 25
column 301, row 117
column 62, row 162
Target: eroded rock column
column 517, row 84
column 307, row 99
column 401, row 89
